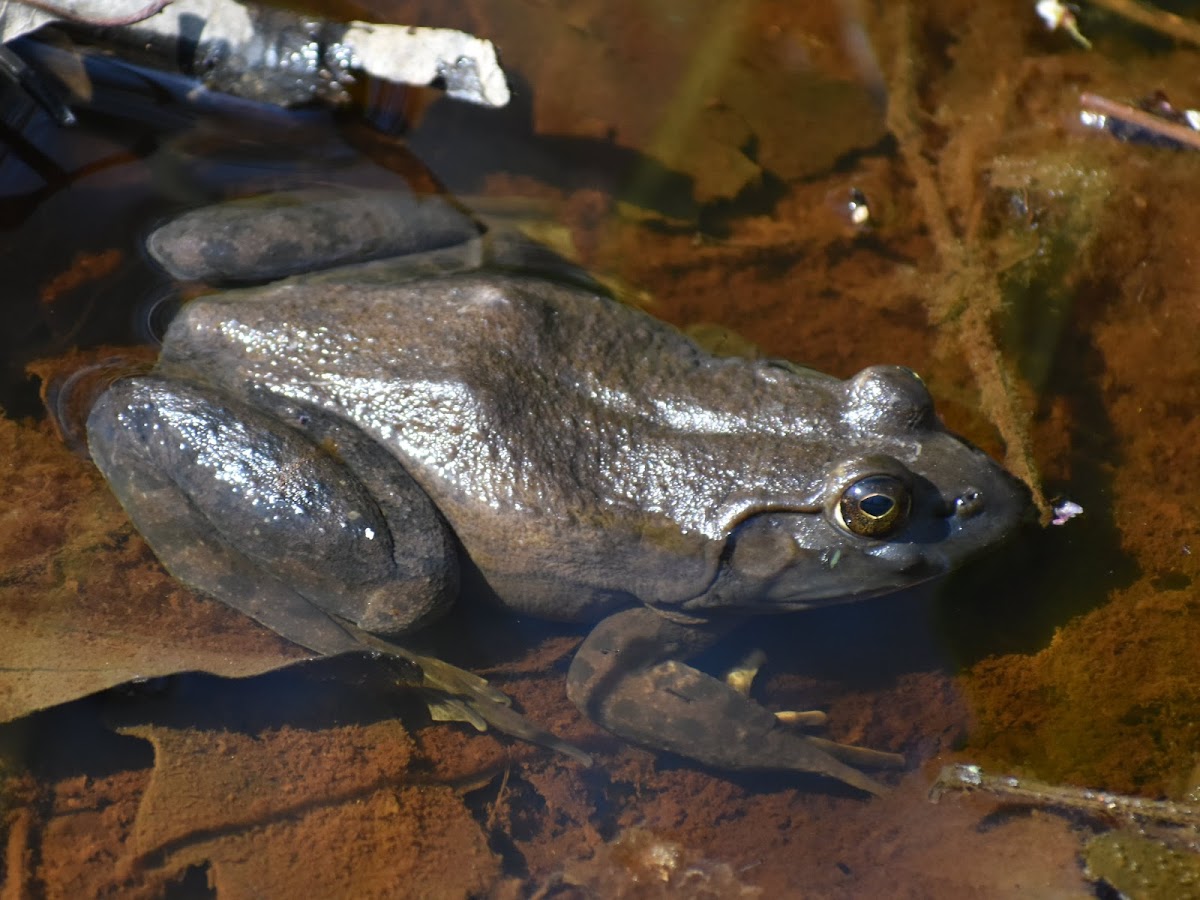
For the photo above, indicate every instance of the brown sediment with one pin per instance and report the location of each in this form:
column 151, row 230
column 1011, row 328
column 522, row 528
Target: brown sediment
column 85, row 268
column 1110, row 702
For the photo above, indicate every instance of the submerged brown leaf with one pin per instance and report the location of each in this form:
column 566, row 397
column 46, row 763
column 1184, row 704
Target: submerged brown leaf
column 718, row 91
column 248, row 807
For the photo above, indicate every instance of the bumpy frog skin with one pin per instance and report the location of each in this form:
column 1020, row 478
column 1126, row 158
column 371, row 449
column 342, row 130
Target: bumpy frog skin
column 331, row 449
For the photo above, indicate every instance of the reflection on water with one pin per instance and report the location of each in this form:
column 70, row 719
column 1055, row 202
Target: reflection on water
column 86, row 196
column 692, row 153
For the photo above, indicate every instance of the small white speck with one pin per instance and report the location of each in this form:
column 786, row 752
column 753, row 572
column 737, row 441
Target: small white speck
column 1058, row 15
column 1065, row 511
column 370, row 533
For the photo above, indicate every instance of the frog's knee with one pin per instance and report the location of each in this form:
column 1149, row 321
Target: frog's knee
column 118, row 421
column 580, row 678
column 602, row 659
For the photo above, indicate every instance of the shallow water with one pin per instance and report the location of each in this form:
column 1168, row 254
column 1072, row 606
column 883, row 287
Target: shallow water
column 701, row 158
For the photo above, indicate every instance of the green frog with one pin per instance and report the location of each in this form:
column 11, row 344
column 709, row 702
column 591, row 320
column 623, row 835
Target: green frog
column 329, row 452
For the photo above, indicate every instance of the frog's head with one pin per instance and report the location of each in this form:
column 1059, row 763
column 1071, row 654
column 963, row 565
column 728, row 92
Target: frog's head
column 902, row 501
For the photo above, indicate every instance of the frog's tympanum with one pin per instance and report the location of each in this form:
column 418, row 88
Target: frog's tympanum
column 326, row 452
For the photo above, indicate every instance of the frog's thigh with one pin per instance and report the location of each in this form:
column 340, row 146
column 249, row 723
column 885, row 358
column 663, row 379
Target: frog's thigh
column 628, row 675
column 249, row 510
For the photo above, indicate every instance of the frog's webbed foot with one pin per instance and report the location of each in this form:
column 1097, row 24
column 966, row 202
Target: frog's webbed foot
column 627, row 676
column 741, row 679
column 454, row 694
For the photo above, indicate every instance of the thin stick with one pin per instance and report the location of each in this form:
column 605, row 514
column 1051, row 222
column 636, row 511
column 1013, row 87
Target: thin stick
column 1041, row 793
column 902, row 122
column 1102, row 106
column 495, row 810
column 1173, row 26
column 18, row 854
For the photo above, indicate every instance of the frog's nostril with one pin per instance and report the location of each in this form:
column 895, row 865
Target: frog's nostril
column 969, row 503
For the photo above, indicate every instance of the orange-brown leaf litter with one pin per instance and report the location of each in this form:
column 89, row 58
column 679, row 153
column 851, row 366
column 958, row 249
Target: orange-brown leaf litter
column 1071, row 659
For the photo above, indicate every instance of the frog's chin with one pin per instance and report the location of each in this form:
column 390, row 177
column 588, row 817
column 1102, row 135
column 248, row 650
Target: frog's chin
column 851, row 576
column 811, row 578
column 862, row 578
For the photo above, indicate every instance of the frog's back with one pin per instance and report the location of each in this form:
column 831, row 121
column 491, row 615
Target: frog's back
column 543, row 420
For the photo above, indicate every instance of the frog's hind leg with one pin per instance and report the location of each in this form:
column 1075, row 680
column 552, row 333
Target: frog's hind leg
column 296, row 520
column 255, row 513
column 273, row 235
column 628, row 675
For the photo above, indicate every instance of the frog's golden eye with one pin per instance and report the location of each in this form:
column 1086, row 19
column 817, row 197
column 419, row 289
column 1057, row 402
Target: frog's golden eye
column 874, row 506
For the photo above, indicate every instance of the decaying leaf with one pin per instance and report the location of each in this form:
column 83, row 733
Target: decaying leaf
column 718, row 91
column 247, row 808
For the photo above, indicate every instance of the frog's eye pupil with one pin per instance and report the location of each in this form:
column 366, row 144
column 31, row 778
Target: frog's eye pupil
column 874, row 506
column 877, row 505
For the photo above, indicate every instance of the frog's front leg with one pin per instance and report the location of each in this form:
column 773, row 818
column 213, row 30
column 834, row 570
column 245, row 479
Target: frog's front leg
column 297, row 524
column 629, row 676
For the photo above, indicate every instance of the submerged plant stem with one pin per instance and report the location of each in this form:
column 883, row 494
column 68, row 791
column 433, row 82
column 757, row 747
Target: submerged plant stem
column 966, row 295
column 1044, row 794
column 1185, row 30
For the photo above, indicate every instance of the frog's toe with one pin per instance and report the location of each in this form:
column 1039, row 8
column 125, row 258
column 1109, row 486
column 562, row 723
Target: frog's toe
column 801, row 718
column 860, row 756
column 741, row 677
column 436, row 674
column 455, row 695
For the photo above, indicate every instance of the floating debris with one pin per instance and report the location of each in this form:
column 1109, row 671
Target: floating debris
column 857, row 210
column 639, row 863
column 1141, row 867
column 1065, row 511
column 1150, row 853
column 1058, row 15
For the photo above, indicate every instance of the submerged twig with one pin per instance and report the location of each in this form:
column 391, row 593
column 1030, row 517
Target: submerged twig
column 1166, row 23
column 1044, row 794
column 1103, row 112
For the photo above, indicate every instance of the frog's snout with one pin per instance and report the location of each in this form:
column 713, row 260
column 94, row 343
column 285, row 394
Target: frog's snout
column 987, row 510
column 968, row 504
